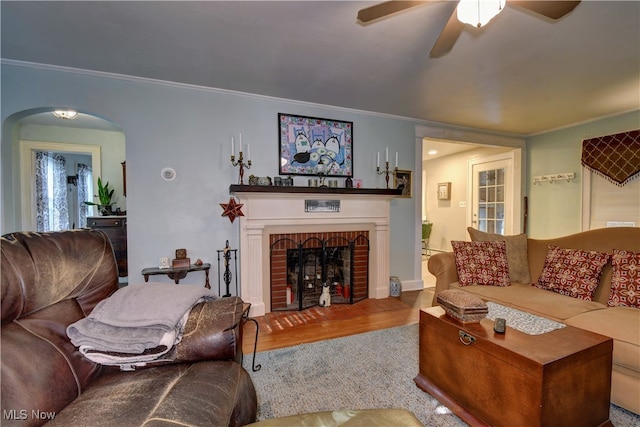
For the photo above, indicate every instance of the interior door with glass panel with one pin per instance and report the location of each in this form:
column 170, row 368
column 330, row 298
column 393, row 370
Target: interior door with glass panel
column 491, row 203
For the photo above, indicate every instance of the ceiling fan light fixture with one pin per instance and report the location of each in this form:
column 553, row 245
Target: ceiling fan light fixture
column 479, row 12
column 65, row 114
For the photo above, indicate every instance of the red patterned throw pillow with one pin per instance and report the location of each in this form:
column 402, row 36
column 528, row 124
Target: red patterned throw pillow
column 625, row 279
column 572, row 272
column 481, row 263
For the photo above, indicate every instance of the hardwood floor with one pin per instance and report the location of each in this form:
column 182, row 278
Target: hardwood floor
column 289, row 328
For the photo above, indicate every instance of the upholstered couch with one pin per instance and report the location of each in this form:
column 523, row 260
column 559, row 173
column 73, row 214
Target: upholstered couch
column 622, row 323
column 51, row 280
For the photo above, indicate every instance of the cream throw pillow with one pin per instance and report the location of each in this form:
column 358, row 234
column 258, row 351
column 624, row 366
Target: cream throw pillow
column 516, row 253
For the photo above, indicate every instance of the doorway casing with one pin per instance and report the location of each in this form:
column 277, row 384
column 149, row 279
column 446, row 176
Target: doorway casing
column 458, row 135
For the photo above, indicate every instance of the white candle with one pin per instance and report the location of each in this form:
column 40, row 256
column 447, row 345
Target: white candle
column 233, row 146
column 249, row 151
column 240, row 138
column 396, row 159
column 378, row 161
column 386, row 154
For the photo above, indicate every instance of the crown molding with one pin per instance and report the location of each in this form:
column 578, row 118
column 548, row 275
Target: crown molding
column 126, row 77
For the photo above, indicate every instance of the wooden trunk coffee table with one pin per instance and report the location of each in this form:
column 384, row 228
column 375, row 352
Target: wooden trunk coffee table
column 559, row 378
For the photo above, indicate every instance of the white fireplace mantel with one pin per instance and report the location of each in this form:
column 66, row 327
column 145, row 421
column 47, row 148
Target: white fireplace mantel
column 279, row 210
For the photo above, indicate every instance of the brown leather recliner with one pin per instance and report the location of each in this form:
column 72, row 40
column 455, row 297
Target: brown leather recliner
column 50, row 280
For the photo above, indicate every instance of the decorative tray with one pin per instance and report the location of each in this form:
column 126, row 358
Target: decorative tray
column 462, row 306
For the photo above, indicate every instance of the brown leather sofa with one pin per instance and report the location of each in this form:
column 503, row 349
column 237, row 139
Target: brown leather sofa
column 620, row 323
column 50, row 280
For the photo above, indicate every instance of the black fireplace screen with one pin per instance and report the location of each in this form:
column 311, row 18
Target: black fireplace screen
column 337, row 265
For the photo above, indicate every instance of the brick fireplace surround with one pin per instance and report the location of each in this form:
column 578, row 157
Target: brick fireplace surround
column 356, row 281
column 281, row 210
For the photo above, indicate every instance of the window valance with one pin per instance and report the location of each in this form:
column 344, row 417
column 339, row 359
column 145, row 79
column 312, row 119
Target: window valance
column 614, row 157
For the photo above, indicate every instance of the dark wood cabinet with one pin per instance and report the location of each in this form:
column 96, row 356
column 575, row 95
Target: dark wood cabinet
column 515, row 379
column 116, row 228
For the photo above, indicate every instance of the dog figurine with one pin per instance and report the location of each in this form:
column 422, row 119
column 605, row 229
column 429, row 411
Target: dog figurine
column 325, row 297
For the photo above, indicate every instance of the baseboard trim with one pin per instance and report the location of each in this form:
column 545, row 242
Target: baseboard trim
column 412, row 285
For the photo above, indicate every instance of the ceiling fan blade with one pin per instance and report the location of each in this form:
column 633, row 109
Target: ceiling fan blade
column 448, row 36
column 550, row 9
column 383, row 9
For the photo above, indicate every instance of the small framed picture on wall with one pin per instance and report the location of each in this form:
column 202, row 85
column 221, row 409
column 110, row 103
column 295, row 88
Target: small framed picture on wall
column 444, row 191
column 402, row 180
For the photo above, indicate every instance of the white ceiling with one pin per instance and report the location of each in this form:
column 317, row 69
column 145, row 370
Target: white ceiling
column 435, row 149
column 522, row 74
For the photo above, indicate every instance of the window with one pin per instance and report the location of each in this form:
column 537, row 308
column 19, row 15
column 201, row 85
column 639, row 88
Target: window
column 52, row 206
column 85, row 193
column 74, row 154
column 60, row 194
column 607, row 205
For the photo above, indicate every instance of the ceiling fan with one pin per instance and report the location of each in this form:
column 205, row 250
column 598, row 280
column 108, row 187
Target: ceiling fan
column 453, row 28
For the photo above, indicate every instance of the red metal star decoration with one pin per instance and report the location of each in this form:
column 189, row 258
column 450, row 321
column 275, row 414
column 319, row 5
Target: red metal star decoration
column 232, row 209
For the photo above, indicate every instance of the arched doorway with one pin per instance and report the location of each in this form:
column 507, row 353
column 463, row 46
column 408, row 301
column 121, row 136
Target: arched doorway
column 87, row 140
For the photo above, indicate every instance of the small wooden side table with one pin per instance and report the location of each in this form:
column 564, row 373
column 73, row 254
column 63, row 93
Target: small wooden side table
column 178, row 273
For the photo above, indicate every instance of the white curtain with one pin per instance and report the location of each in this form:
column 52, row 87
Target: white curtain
column 52, row 206
column 85, row 191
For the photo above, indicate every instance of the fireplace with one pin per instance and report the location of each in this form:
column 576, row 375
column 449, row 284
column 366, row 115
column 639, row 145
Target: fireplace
column 270, row 210
column 303, row 265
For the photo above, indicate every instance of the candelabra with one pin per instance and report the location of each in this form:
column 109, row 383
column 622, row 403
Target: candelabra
column 227, row 275
column 242, row 165
column 386, row 172
column 323, row 167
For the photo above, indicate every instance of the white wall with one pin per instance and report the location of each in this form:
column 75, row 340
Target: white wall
column 189, row 129
column 556, row 210
column 449, row 219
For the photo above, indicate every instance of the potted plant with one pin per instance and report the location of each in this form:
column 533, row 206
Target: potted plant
column 105, row 198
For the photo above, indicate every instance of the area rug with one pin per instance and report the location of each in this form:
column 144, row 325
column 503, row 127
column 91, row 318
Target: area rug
column 364, row 371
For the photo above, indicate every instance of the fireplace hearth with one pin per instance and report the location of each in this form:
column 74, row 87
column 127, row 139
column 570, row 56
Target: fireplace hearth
column 304, row 264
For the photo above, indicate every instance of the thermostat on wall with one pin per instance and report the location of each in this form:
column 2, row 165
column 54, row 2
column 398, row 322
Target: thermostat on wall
column 168, row 174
